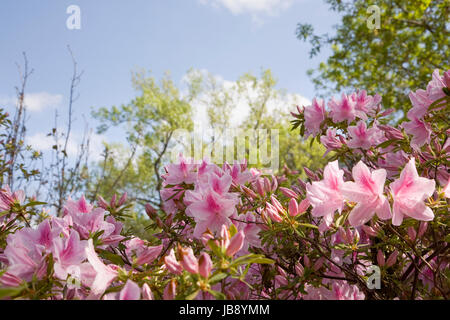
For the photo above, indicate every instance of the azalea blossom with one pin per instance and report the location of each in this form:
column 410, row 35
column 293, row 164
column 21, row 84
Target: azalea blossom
column 325, row 196
column 409, row 192
column 364, row 138
column 343, row 109
column 367, row 192
column 314, row 116
column 420, row 130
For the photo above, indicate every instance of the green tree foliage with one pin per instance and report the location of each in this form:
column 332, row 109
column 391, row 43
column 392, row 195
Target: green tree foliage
column 413, row 40
column 149, row 122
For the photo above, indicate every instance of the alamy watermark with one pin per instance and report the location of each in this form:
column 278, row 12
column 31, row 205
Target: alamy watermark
column 374, row 20
column 73, row 22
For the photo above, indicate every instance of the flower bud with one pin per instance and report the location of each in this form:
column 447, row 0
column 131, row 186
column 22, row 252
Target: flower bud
column 299, row 270
column 267, row 185
column 249, row 192
column 272, row 213
column 188, row 260
column 306, row 261
column 412, row 233
column 225, row 237
column 260, row 187
column 303, row 206
column 112, row 203
column 151, row 212
column 392, row 259
column 310, row 174
column 288, row 192
column 274, row 183
column 146, row 292
column 276, row 204
column 380, row 258
column 172, row 264
column 422, row 229
column 170, row 290
column 204, row 265
column 369, row 231
column 102, row 203
column 122, row 199
column 318, row 264
column 236, row 244
column 293, row 208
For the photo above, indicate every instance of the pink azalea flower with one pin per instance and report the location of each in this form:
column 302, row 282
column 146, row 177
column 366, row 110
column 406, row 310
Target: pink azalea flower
column 325, row 195
column 239, row 173
column 212, row 211
column 331, row 141
column 342, row 110
column 105, row 275
column 420, row 102
column 7, row 198
column 67, row 253
column 367, row 192
column 364, row 103
column 181, row 172
column 420, row 130
column 87, row 220
column 364, row 138
column 409, row 191
column 314, row 116
column 138, row 249
column 435, row 86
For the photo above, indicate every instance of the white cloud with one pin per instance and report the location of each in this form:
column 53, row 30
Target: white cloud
column 41, row 142
column 268, row 7
column 35, row 101
column 280, row 105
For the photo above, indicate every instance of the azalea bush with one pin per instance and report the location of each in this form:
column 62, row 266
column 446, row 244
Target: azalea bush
column 373, row 224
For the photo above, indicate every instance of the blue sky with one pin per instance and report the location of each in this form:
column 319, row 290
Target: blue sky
column 225, row 37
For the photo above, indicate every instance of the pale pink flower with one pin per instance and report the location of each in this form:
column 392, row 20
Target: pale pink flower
column 365, row 103
column 435, row 86
column 331, row 141
column 142, row 253
column 212, row 211
column 367, row 192
column 343, row 109
column 181, row 172
column 172, row 263
column 8, row 198
column 87, row 220
column 105, row 275
column 325, row 196
column 420, row 130
column 68, row 253
column 314, row 116
column 409, row 192
column 420, row 102
column 364, row 138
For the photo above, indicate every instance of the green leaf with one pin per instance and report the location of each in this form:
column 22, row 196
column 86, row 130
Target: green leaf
column 217, row 277
column 193, row 295
column 218, row 295
column 10, row 291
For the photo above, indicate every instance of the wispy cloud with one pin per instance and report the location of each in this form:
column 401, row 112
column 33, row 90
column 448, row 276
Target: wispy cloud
column 255, row 8
column 35, row 101
column 42, row 142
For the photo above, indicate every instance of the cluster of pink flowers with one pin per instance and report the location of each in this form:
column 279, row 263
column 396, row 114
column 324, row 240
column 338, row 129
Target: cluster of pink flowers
column 233, row 232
